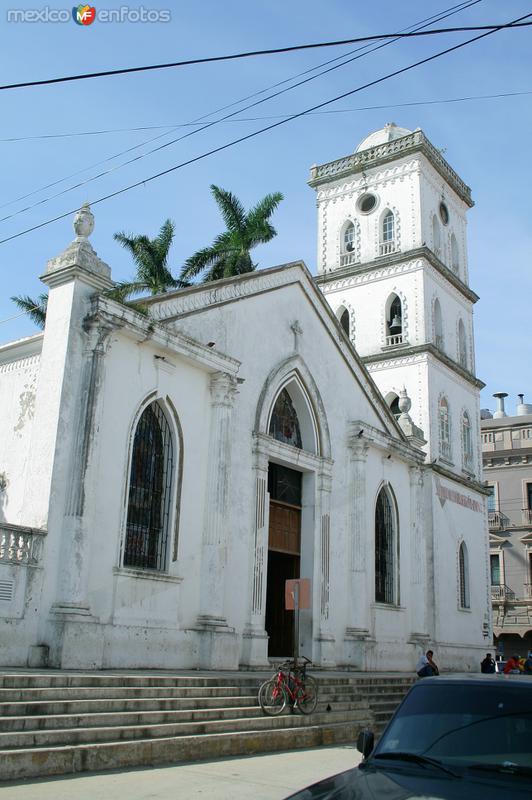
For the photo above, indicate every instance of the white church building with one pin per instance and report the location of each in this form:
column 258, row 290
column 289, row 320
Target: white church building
column 162, row 476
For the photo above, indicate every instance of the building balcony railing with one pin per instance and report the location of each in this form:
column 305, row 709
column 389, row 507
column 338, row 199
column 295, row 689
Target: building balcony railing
column 395, row 339
column 385, row 248
column 20, row 545
column 348, row 258
column 496, row 520
column 502, row 592
column 527, row 516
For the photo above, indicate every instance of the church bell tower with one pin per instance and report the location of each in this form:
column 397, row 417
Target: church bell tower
column 392, row 263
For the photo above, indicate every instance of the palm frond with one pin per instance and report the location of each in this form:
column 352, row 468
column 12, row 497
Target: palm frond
column 35, row 308
column 231, row 208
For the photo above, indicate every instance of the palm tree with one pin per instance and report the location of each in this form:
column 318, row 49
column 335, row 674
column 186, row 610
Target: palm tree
column 229, row 254
column 151, row 260
column 34, row 308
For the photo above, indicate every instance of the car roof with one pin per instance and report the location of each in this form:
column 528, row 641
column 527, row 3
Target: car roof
column 475, row 677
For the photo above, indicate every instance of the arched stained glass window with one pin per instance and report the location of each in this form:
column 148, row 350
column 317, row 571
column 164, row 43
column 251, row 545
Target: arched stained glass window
column 463, row 576
column 284, row 424
column 384, row 550
column 150, row 489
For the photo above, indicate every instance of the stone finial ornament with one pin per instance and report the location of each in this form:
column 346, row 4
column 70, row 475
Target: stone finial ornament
column 404, row 403
column 404, row 420
column 84, row 222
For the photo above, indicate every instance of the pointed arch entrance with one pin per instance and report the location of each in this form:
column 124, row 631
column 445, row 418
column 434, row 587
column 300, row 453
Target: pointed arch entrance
column 292, row 469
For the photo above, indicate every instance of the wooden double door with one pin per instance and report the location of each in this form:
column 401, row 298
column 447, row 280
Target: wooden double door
column 284, row 552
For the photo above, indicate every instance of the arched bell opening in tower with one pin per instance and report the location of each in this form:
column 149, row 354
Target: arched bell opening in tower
column 395, row 322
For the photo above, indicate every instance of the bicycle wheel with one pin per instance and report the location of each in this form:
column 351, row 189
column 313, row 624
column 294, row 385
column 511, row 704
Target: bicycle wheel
column 307, row 696
column 272, row 697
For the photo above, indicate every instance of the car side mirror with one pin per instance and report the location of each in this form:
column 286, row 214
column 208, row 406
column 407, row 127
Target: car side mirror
column 365, row 742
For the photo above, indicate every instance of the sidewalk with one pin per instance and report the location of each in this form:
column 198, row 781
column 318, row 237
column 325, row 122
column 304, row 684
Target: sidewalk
column 267, row 777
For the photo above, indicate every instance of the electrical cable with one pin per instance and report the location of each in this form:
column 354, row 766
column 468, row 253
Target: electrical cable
column 254, row 53
column 204, row 127
column 278, row 116
column 448, row 12
column 274, row 125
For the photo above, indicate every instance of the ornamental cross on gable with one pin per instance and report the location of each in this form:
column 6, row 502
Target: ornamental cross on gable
column 297, row 330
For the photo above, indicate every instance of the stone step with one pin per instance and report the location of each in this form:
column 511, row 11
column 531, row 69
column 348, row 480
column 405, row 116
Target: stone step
column 40, row 762
column 50, row 680
column 104, row 692
column 124, row 718
column 76, row 736
column 44, row 708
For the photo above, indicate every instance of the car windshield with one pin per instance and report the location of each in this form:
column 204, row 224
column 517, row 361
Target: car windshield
column 465, row 724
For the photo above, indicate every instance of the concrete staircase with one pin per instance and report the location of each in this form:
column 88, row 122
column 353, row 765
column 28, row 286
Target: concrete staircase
column 58, row 723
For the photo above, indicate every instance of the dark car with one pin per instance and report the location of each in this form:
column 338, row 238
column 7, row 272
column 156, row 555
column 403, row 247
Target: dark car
column 460, row 737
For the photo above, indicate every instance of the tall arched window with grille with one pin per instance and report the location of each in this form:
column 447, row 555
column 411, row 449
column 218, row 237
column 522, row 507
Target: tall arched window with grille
column 467, row 441
column 455, row 257
column 436, row 237
column 387, row 242
column 385, row 549
column 462, row 345
column 438, row 325
column 445, row 428
column 463, row 576
column 150, row 492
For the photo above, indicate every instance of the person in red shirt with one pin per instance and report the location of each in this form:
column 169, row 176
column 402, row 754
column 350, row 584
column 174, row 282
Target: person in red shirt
column 512, row 666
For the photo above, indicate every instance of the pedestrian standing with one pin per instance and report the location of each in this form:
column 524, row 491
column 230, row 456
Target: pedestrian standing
column 487, row 665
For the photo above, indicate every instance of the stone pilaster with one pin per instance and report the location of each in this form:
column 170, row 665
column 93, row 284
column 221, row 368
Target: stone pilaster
column 357, row 630
column 255, row 638
column 327, row 651
column 213, row 652
column 419, row 600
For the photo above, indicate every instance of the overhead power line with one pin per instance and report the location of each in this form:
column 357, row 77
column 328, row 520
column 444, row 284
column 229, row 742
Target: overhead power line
column 356, row 54
column 267, row 128
column 174, row 125
column 254, row 53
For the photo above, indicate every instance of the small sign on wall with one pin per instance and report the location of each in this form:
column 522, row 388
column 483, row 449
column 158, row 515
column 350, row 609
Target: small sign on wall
column 297, row 588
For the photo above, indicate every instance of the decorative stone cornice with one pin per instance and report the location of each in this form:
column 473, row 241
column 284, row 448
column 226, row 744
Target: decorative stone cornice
column 360, row 432
column 143, row 329
column 410, row 351
column 469, row 483
column 395, row 263
column 391, row 151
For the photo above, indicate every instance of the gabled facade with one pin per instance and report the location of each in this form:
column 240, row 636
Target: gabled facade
column 163, row 476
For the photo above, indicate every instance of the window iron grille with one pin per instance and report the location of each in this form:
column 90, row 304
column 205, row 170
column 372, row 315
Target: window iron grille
column 150, row 490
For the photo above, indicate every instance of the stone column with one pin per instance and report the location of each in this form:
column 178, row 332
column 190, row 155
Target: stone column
column 255, row 636
column 357, row 630
column 214, row 653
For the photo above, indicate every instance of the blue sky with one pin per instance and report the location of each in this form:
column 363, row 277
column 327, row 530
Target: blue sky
column 486, row 141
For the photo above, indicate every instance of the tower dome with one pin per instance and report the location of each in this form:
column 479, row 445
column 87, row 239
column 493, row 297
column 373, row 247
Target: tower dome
column 387, row 134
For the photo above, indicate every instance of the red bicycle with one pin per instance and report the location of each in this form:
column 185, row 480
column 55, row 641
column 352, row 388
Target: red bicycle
column 290, row 685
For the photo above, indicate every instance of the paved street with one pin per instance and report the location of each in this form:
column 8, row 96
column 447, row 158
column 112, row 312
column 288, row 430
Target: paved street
column 267, row 777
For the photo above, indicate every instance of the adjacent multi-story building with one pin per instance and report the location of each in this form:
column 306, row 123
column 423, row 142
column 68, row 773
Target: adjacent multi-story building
column 507, row 458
